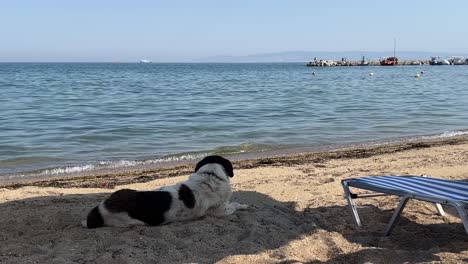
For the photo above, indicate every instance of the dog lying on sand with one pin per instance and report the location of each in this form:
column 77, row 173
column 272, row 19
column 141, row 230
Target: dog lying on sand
column 206, row 192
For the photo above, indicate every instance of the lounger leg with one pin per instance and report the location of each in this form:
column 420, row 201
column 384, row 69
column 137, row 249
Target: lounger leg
column 463, row 215
column 351, row 204
column 396, row 215
column 440, row 210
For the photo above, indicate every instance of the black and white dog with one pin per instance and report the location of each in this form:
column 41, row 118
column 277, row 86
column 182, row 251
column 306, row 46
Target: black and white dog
column 206, row 192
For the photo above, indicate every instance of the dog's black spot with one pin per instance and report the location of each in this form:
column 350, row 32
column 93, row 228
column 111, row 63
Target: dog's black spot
column 94, row 219
column 121, row 201
column 186, row 195
column 148, row 206
column 227, row 165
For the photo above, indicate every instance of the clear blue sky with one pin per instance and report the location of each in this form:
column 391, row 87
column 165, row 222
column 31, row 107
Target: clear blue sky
column 178, row 30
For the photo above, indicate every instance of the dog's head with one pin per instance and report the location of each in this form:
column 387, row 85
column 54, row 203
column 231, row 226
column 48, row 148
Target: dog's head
column 206, row 165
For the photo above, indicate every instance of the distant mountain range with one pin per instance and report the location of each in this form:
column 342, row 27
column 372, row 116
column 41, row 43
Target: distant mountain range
column 305, row 56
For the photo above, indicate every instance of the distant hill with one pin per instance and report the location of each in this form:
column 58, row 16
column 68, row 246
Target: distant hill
column 305, row 56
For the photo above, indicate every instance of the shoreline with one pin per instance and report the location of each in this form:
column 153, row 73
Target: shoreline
column 140, row 175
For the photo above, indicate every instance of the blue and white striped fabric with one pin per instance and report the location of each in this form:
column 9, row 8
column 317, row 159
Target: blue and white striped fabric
column 445, row 189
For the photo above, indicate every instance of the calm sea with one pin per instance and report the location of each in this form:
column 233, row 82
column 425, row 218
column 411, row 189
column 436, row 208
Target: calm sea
column 64, row 118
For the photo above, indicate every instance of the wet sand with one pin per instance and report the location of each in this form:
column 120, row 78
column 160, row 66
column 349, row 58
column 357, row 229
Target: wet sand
column 297, row 214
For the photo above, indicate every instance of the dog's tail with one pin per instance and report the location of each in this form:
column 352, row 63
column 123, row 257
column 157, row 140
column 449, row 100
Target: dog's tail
column 94, row 219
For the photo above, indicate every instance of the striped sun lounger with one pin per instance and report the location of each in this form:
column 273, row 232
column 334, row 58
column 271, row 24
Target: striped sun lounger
column 437, row 191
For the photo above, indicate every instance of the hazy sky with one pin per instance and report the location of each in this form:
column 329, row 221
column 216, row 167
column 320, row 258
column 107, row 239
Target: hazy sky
column 177, row 30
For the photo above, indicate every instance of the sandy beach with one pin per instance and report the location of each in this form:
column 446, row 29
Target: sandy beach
column 297, row 214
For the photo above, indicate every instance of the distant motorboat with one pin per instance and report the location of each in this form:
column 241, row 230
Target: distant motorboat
column 438, row 61
column 145, row 61
column 457, row 60
column 390, row 61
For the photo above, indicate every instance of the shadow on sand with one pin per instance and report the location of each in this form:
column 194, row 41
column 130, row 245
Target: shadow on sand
column 46, row 230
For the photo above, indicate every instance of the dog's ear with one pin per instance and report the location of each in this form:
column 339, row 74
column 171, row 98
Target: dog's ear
column 227, row 165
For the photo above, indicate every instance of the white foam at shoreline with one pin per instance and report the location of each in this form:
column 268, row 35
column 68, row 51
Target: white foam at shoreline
column 131, row 163
column 67, row 170
column 448, row 134
column 103, row 165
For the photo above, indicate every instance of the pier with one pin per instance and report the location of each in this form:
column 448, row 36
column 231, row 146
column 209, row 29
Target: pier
column 363, row 62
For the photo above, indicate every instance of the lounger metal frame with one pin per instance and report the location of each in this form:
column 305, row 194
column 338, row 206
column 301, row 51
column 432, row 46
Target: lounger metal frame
column 460, row 206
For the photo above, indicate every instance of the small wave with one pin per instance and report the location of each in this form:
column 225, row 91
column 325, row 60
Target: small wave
column 45, row 173
column 67, row 170
column 448, row 134
column 132, row 163
column 112, row 165
column 180, row 157
column 245, row 148
column 107, row 166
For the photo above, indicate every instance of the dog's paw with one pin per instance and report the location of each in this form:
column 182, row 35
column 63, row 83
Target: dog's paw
column 84, row 224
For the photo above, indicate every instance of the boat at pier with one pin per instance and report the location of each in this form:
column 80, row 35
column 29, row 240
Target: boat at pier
column 457, row 60
column 438, row 61
column 390, row 61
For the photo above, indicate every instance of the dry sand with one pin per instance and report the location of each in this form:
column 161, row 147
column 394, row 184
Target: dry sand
column 297, row 214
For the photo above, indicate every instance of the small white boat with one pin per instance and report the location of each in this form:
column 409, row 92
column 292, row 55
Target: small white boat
column 145, row 61
column 438, row 61
column 457, row 60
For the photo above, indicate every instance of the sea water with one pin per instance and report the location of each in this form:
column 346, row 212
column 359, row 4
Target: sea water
column 57, row 119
